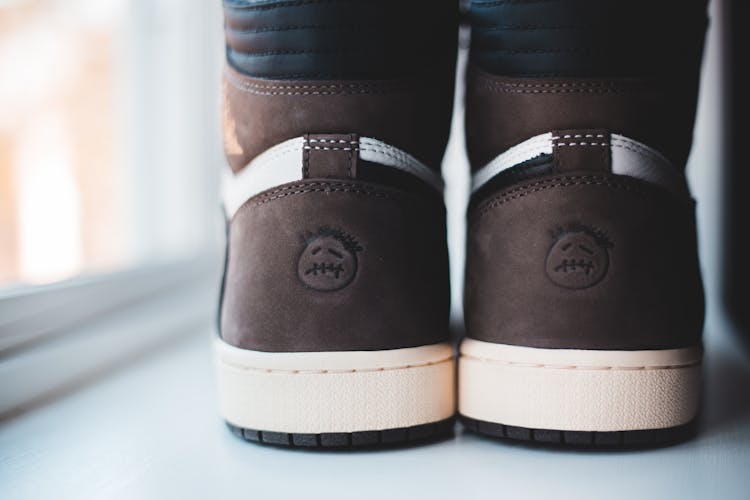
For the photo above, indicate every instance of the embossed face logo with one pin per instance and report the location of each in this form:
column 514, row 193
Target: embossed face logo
column 329, row 261
column 579, row 257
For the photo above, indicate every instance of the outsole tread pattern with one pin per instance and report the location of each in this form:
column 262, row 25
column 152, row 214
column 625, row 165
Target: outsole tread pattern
column 582, row 439
column 348, row 440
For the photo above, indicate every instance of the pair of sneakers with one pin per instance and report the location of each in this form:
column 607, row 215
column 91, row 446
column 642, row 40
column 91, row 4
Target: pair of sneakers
column 583, row 302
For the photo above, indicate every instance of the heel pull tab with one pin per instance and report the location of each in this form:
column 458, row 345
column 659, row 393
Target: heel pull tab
column 330, row 156
column 582, row 150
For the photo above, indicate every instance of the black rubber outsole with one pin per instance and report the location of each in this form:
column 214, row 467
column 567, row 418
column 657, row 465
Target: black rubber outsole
column 349, row 440
column 583, row 439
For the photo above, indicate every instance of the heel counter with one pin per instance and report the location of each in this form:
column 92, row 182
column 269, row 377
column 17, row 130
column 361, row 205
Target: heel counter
column 336, row 265
column 584, row 261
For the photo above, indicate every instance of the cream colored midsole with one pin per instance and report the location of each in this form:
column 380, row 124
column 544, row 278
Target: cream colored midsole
column 581, row 390
column 347, row 391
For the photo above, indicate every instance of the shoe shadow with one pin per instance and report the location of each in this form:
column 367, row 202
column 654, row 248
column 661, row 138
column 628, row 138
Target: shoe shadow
column 456, row 328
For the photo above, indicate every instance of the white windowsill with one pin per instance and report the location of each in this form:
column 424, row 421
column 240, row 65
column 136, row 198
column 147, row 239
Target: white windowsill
column 152, row 431
column 52, row 338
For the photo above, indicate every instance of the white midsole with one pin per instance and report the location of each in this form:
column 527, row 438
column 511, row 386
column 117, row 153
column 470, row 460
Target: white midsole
column 347, row 391
column 580, row 390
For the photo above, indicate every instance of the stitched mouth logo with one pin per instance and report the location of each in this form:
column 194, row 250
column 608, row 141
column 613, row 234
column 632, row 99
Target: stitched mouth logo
column 329, row 261
column 579, row 257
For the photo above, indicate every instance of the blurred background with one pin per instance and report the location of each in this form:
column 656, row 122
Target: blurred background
column 109, row 143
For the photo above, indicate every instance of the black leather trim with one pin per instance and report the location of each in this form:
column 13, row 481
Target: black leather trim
column 384, row 438
column 394, row 178
column 340, row 39
column 536, row 167
column 588, row 38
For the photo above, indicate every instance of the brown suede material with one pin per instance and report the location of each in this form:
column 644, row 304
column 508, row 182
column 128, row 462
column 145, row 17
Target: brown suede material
column 322, row 265
column 575, row 150
column 583, row 261
column 411, row 114
column 502, row 112
column 330, row 156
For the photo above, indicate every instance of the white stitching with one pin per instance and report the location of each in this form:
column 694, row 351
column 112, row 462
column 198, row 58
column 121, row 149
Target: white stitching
column 386, row 152
column 326, row 148
column 517, row 364
column 577, row 136
column 335, row 89
column 401, row 158
column 244, row 85
column 333, row 141
column 353, row 370
column 636, row 148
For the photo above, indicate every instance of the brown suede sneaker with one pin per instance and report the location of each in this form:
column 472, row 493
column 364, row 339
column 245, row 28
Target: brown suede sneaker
column 583, row 295
column 335, row 301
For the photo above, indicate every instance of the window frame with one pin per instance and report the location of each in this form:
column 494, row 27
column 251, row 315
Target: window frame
column 54, row 337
